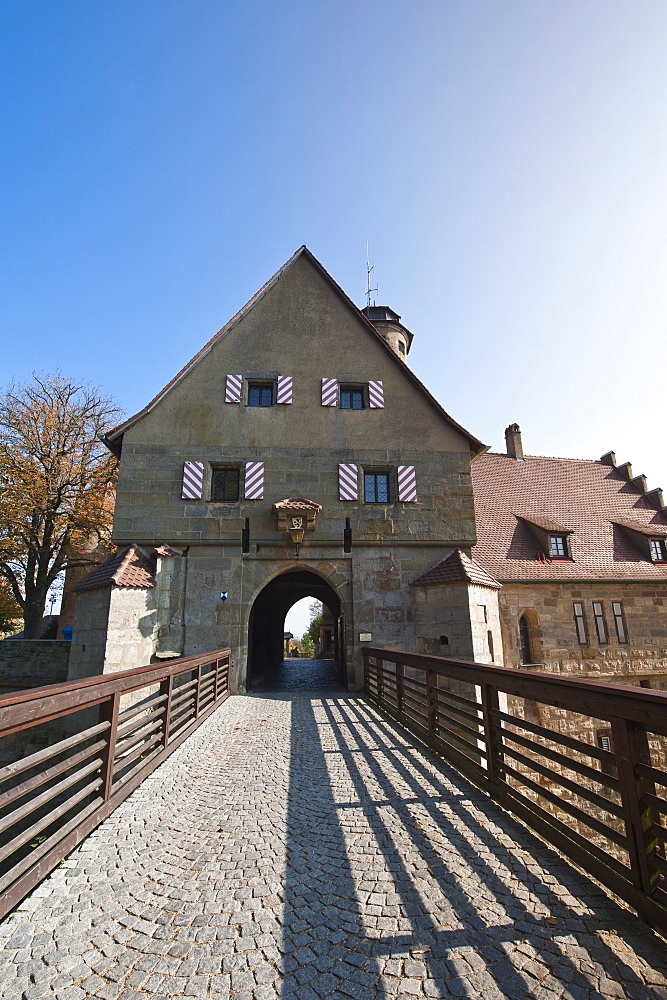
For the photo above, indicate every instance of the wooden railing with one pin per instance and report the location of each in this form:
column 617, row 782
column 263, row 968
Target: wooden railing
column 98, row 739
column 604, row 806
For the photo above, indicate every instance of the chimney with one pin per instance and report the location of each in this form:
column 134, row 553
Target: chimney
column 513, row 442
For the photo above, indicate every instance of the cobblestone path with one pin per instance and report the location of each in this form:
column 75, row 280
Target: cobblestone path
column 300, row 846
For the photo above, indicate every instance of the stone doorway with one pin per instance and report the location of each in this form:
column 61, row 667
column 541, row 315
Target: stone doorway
column 267, row 621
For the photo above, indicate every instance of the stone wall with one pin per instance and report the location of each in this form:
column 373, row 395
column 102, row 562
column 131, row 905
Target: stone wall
column 29, row 663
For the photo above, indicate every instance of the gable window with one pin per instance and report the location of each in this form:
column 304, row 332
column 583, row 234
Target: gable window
column 580, row 623
column 619, row 621
column 225, row 484
column 260, row 394
column 376, row 487
column 600, row 624
column 558, row 547
column 658, row 549
column 352, row 397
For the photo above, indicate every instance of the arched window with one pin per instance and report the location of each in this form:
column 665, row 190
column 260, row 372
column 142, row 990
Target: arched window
column 524, row 640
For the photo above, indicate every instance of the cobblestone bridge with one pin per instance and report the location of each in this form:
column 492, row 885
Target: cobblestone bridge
column 299, row 845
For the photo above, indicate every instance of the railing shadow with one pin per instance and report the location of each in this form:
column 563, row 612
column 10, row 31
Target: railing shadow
column 402, row 877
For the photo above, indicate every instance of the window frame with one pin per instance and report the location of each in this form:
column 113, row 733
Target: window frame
column 353, row 387
column 601, row 629
column 261, row 384
column 375, row 473
column 657, row 547
column 580, row 623
column 225, row 469
column 561, row 541
column 619, row 621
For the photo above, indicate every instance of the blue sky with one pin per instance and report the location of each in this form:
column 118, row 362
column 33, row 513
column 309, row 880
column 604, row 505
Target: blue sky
column 505, row 160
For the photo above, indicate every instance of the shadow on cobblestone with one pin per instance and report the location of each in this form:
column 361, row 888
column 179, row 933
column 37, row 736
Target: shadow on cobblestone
column 299, row 845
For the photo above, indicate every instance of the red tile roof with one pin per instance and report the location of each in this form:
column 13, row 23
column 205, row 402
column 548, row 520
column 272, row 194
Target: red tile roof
column 128, row 568
column 455, row 568
column 585, row 497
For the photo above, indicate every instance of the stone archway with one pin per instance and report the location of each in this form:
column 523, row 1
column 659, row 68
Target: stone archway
column 267, row 618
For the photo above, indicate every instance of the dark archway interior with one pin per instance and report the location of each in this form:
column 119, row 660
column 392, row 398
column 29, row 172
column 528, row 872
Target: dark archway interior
column 267, row 620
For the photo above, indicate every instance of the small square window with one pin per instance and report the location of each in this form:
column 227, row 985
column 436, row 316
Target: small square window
column 225, row 485
column 558, row 546
column 352, row 397
column 376, row 487
column 260, row 394
column 658, row 549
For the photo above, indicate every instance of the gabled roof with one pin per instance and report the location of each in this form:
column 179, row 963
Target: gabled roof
column 586, row 496
column 113, row 437
column 455, row 568
column 129, row 567
column 297, row 503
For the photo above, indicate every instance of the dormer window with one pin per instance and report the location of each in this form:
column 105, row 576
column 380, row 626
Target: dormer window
column 558, row 547
column 658, row 549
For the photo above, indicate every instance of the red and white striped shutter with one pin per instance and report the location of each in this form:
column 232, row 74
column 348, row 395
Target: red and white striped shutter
column 254, row 480
column 284, row 394
column 348, row 482
column 193, row 480
column 407, row 482
column 329, row 391
column 375, row 395
column 233, row 388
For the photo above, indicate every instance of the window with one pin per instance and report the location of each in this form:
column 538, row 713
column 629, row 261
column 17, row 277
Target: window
column 376, row 487
column 619, row 621
column 489, row 639
column 260, row 394
column 558, row 547
column 401, row 347
column 225, row 485
column 658, row 549
column 600, row 625
column 352, row 397
column 580, row 622
column 524, row 640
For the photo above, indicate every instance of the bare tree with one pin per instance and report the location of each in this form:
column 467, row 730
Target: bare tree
column 57, row 483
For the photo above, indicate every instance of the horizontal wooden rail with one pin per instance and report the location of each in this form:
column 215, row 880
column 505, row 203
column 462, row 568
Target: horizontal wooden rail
column 103, row 736
column 605, row 809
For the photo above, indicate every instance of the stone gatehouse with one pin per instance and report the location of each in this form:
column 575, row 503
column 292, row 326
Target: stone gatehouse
column 295, row 455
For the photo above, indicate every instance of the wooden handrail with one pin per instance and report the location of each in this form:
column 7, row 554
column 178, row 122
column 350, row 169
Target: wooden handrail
column 603, row 814
column 129, row 743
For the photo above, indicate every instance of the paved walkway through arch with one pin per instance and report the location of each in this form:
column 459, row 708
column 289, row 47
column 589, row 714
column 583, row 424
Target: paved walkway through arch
column 300, row 846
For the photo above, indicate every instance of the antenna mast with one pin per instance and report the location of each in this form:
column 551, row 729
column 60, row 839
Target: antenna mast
column 369, row 270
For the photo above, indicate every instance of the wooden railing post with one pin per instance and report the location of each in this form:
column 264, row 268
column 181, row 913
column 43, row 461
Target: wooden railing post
column 380, row 678
column 198, row 690
column 216, row 674
column 630, row 745
column 400, row 687
column 493, row 740
column 431, row 684
column 167, row 688
column 109, row 713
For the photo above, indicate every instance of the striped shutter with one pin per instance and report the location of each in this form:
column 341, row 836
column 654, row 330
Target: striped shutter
column 284, row 394
column 407, row 482
column 193, row 480
column 329, row 391
column 375, row 395
column 233, row 388
column 254, row 480
column 348, row 482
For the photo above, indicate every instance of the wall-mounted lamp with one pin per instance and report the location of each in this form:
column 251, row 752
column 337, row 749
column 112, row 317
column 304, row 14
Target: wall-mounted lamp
column 297, row 515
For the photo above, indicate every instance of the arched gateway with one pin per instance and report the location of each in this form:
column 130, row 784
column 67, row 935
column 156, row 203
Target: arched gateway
column 267, row 618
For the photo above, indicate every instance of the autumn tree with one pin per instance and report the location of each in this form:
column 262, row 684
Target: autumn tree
column 56, row 484
column 11, row 613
